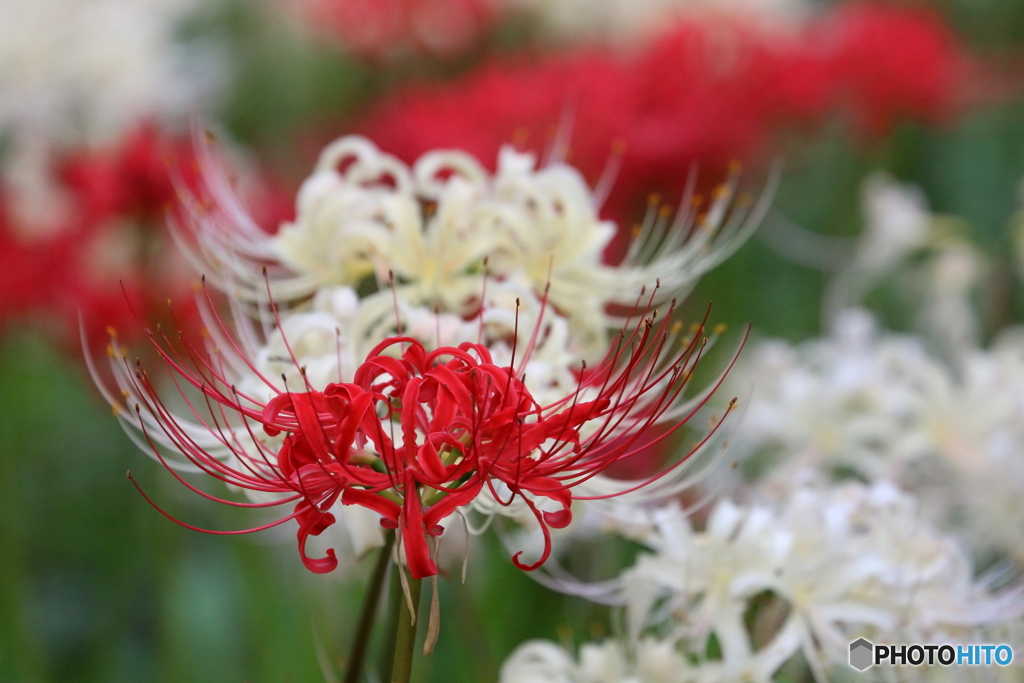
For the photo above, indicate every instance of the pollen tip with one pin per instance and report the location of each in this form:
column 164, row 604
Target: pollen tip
column 128, row 473
column 735, row 166
column 115, row 408
column 696, row 200
column 168, row 302
column 111, row 331
column 676, row 326
column 719, row 191
column 654, row 199
column 110, row 351
column 720, row 328
column 634, row 231
column 665, row 211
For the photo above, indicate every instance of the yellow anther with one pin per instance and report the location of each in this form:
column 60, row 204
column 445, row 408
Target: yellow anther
column 720, row 328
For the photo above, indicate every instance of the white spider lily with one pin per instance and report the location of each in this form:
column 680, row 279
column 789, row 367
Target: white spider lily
column 435, row 228
column 834, row 564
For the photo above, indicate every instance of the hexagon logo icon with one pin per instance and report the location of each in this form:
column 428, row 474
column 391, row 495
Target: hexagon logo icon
column 861, row 654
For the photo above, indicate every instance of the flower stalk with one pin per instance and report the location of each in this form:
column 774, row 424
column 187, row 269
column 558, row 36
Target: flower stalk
column 405, row 637
column 368, row 615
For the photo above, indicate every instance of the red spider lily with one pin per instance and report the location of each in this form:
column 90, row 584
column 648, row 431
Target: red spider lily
column 418, row 434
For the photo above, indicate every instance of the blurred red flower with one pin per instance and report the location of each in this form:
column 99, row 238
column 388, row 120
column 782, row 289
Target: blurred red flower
column 111, row 244
column 706, row 92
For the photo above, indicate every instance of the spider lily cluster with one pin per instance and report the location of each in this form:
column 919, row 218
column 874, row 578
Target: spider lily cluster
column 454, row 407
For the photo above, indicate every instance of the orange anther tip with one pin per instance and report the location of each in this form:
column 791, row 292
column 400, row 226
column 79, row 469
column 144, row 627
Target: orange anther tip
column 111, row 331
column 696, row 200
column 720, row 328
column 655, row 198
column 665, row 211
column 735, row 166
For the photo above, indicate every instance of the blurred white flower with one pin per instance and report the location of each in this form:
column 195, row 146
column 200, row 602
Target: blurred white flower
column 941, row 285
column 652, row 661
column 880, row 406
column 90, row 70
column 808, row 572
column 74, row 72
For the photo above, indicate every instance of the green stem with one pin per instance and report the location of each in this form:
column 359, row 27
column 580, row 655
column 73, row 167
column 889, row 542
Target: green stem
column 387, row 650
column 369, row 611
column 405, row 639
